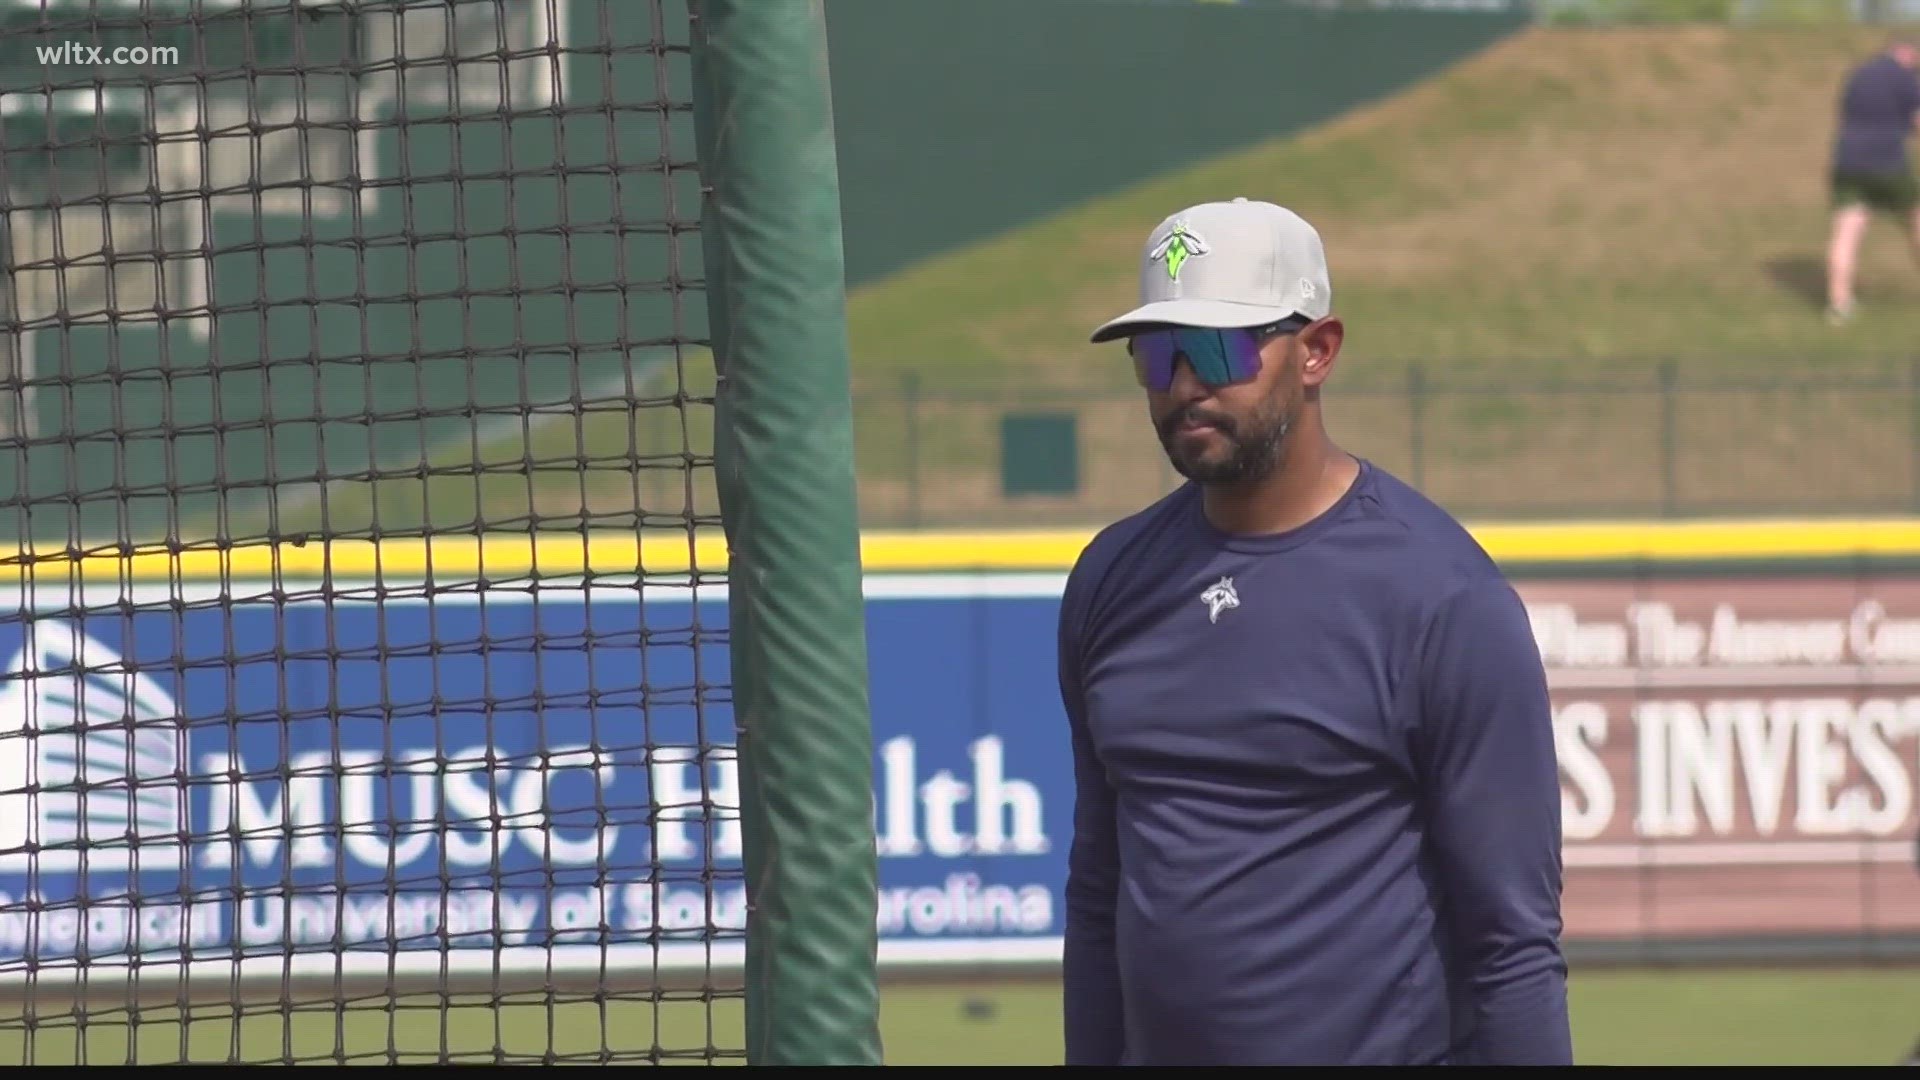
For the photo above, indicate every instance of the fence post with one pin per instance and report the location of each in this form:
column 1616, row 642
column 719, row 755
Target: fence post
column 1416, row 418
column 1913, row 413
column 910, row 406
column 1669, row 439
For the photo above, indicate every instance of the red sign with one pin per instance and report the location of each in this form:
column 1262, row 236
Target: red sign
column 1738, row 756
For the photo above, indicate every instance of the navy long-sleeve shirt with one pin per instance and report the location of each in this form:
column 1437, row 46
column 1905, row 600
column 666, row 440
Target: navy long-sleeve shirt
column 1318, row 808
column 1877, row 108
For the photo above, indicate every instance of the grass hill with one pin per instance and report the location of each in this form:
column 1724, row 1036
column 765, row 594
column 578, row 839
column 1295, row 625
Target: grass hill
column 1569, row 196
column 1596, row 252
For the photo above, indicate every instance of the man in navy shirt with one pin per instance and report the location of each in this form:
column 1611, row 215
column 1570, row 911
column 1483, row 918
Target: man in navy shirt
column 1870, row 171
column 1317, row 817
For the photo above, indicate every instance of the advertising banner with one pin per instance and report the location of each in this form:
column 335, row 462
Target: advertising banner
column 1740, row 756
column 402, row 781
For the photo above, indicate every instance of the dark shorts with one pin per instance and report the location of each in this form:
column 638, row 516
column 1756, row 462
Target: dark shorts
column 1886, row 192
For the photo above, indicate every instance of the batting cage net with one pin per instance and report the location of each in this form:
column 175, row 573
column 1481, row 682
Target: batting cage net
column 366, row 685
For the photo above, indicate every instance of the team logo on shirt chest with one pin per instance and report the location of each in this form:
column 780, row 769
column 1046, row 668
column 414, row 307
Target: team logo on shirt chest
column 1220, row 596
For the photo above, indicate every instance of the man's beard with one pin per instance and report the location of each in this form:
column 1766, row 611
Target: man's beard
column 1256, row 446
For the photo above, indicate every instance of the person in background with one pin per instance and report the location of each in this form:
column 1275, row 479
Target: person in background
column 1870, row 169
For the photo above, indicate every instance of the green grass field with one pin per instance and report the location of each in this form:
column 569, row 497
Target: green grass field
column 1799, row 1016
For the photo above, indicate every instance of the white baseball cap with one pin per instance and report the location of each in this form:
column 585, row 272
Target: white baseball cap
column 1228, row 264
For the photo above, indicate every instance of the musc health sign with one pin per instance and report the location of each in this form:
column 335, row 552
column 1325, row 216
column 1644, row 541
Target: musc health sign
column 533, row 773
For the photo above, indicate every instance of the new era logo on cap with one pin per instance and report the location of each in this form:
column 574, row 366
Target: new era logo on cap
column 1226, row 264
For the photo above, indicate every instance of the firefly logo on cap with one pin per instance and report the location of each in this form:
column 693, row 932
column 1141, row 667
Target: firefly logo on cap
column 1179, row 245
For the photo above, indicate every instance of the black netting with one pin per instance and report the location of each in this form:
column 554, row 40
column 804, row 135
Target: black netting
column 364, row 662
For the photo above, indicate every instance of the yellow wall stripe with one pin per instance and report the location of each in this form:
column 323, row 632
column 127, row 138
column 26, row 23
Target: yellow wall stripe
column 667, row 553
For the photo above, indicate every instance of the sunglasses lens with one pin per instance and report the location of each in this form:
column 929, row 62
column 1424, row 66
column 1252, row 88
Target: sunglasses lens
column 1218, row 357
column 1153, row 355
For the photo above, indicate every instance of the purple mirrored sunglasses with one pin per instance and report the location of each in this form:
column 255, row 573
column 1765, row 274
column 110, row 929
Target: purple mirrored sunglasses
column 1218, row 357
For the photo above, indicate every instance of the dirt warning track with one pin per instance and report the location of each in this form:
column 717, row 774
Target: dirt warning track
column 1739, row 755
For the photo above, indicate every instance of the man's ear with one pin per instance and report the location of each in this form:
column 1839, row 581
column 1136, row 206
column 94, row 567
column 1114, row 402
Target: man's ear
column 1320, row 348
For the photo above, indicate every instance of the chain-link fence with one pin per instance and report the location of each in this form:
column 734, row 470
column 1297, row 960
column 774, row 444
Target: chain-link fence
column 1644, row 442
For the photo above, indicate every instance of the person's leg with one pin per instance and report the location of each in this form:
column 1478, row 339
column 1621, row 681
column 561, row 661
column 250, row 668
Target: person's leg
column 1852, row 195
column 1906, row 198
column 1913, row 232
column 1843, row 250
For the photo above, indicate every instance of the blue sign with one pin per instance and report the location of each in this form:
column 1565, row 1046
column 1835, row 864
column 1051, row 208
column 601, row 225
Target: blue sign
column 253, row 778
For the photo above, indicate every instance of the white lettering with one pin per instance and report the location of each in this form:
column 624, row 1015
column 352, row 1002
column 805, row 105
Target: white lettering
column 296, row 814
column 366, row 834
column 469, row 912
column 1649, row 718
column 1654, row 635
column 942, row 796
column 1765, row 738
column 1702, row 765
column 473, row 826
column 962, row 905
column 1877, row 639
column 310, row 919
column 576, row 915
column 1565, row 641
column 416, row 920
column 365, row 918
column 1873, row 727
column 1661, row 639
column 208, row 927
column 262, row 919
column 1823, row 764
column 534, row 808
column 1579, row 729
column 649, row 907
column 13, row 926
column 679, row 797
column 477, row 810
column 914, row 817
column 107, row 928
column 897, row 770
column 60, row 928
column 1737, row 641
column 997, row 798
column 517, row 915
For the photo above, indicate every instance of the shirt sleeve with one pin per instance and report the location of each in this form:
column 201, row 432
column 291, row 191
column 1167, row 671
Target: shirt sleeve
column 1090, row 975
column 1491, row 792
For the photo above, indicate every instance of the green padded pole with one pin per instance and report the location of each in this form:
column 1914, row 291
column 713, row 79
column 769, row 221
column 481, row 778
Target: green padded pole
column 784, row 457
